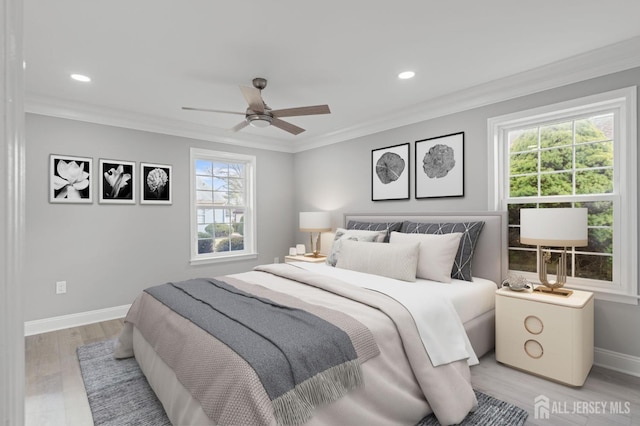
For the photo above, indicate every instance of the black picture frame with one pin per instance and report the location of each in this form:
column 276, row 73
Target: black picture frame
column 70, row 179
column 390, row 169
column 117, row 183
column 440, row 166
column 156, row 183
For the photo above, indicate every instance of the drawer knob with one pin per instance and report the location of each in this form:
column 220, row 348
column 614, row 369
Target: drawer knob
column 533, row 324
column 533, row 349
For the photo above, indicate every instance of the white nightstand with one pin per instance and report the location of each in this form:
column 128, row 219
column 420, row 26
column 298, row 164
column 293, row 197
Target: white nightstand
column 303, row 258
column 551, row 336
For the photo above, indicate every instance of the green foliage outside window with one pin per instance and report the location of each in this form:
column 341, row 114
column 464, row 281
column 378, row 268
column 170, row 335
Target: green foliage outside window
column 571, row 158
column 234, row 243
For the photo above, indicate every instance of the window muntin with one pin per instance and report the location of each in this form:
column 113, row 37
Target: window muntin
column 223, row 211
column 567, row 158
column 577, row 154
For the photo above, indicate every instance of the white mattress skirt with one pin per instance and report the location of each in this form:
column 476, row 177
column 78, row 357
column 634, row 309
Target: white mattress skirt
column 180, row 406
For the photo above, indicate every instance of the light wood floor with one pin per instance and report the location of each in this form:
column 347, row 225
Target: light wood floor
column 55, row 394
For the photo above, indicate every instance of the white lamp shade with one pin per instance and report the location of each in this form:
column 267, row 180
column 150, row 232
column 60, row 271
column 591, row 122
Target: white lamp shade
column 315, row 221
column 559, row 227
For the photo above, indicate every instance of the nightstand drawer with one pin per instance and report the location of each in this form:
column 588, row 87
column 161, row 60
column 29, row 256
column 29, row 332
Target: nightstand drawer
column 545, row 338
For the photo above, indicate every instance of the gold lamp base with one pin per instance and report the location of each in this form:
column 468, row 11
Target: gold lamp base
column 314, row 254
column 315, row 248
column 548, row 287
column 553, row 291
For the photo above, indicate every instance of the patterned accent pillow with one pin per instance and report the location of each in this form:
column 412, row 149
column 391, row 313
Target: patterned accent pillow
column 376, row 226
column 351, row 234
column 398, row 261
column 470, row 233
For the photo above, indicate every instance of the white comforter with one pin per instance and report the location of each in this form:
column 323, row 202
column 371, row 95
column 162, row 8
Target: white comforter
column 401, row 384
column 446, row 342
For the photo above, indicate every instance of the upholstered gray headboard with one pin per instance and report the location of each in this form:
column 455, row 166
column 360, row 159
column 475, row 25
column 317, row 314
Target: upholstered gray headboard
column 490, row 257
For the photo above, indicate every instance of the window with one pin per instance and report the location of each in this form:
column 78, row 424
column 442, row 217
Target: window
column 580, row 153
column 222, row 206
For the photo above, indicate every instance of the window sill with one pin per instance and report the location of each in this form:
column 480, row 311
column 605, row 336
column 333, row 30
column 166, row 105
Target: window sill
column 230, row 258
column 612, row 297
column 599, row 293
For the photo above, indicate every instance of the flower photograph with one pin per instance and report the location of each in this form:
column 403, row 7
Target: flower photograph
column 117, row 182
column 155, row 183
column 70, row 179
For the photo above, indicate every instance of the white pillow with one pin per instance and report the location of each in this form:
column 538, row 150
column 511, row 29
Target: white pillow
column 437, row 253
column 355, row 235
column 397, row 261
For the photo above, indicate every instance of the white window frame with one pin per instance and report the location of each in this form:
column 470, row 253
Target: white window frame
column 250, row 243
column 623, row 103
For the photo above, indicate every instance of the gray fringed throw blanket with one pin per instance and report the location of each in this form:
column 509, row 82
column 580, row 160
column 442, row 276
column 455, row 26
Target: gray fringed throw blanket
column 302, row 360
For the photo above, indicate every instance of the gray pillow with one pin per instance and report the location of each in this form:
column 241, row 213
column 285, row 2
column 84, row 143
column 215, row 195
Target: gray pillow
column 353, row 235
column 376, row 226
column 470, row 233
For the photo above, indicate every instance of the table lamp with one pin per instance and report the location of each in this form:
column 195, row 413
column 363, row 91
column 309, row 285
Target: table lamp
column 313, row 222
column 553, row 227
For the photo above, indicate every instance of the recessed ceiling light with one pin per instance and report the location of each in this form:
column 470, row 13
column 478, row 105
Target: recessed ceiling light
column 406, row 75
column 81, row 78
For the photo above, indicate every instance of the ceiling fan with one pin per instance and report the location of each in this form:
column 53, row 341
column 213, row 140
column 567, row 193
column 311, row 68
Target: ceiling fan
column 258, row 114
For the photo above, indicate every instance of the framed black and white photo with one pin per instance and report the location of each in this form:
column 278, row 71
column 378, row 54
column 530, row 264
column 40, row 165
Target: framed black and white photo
column 117, row 182
column 390, row 173
column 70, row 179
column 155, row 183
column 440, row 166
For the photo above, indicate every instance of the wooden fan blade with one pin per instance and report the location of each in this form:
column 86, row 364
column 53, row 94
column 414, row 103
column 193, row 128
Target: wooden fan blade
column 287, row 127
column 254, row 98
column 212, row 110
column 239, row 126
column 308, row 110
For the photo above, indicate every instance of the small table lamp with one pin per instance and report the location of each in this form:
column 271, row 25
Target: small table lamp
column 553, row 227
column 315, row 222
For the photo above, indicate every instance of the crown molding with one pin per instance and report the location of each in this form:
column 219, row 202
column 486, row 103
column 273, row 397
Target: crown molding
column 596, row 63
column 119, row 118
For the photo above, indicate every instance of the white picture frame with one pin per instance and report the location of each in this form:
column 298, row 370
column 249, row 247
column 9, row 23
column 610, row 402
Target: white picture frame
column 117, row 182
column 70, row 179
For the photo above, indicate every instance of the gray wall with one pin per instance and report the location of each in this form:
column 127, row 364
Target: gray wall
column 338, row 178
column 109, row 253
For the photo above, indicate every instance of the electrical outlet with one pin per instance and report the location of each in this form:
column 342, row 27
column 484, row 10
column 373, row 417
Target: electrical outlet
column 276, row 260
column 61, row 287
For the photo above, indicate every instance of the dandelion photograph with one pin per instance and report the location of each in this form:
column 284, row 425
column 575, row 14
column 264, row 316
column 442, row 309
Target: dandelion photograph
column 155, row 183
column 117, row 182
column 70, row 179
column 390, row 173
column 440, row 166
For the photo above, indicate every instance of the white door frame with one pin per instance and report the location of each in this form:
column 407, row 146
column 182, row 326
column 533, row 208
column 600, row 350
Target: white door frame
column 12, row 213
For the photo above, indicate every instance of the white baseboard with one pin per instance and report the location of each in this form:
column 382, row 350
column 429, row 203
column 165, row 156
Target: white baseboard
column 617, row 361
column 74, row 320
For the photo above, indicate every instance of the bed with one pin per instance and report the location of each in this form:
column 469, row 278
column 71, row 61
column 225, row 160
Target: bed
column 394, row 369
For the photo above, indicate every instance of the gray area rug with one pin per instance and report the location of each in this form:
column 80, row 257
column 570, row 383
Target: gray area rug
column 120, row 395
column 117, row 390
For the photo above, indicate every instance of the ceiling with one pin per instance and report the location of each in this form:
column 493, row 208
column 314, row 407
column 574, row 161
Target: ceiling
column 148, row 58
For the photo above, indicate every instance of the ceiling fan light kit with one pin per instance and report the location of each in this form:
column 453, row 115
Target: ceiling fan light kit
column 258, row 114
column 259, row 120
